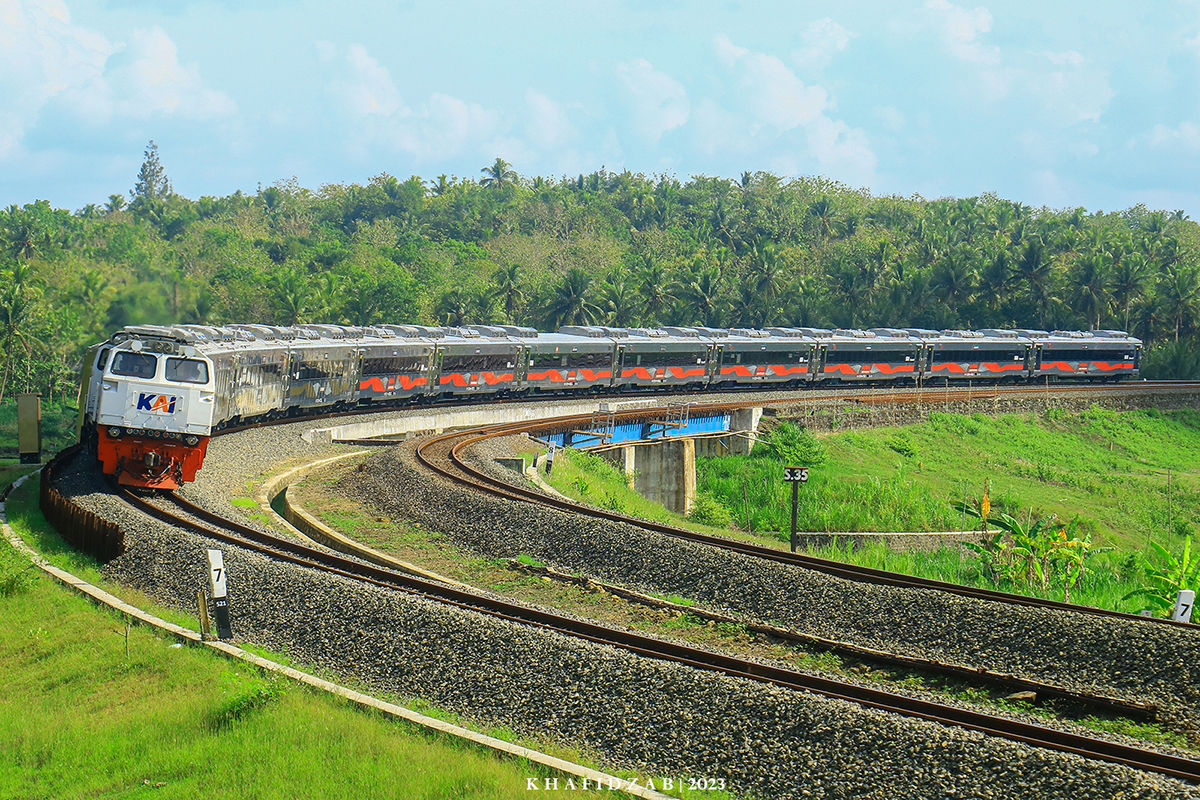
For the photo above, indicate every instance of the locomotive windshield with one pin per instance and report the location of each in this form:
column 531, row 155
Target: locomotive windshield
column 187, row 370
column 134, row 365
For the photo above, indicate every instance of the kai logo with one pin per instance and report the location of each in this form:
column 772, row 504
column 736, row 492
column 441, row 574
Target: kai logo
column 157, row 403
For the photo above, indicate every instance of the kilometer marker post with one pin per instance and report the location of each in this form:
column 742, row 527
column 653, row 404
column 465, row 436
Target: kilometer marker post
column 795, row 476
column 217, row 583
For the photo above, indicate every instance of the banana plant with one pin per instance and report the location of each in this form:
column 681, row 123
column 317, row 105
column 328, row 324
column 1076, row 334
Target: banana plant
column 1166, row 580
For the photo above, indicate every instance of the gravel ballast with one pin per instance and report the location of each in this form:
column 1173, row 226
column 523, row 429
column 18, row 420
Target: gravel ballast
column 1138, row 661
column 657, row 716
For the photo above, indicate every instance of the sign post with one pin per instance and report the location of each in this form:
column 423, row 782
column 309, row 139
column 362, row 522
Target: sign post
column 29, row 427
column 795, row 476
column 216, row 581
column 1183, row 605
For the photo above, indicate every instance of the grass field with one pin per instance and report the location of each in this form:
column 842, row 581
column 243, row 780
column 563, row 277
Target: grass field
column 79, row 717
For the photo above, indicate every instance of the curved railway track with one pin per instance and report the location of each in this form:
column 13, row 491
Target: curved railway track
column 443, row 455
column 201, row 521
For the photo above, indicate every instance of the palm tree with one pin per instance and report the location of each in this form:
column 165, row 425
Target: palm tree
column 507, row 288
column 703, row 293
column 441, row 185
column 291, row 296
column 571, row 303
column 454, row 307
column 953, row 280
column 619, row 302
column 1088, row 282
column 1032, row 269
column 115, row 203
column 18, row 307
column 822, row 211
column 652, row 289
column 1128, row 282
column 1179, row 288
column 499, row 175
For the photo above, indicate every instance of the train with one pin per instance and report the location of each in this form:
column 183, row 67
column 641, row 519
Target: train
column 151, row 396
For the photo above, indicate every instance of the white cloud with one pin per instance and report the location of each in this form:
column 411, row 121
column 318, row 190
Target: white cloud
column 820, row 41
column 379, row 117
column 44, row 57
column 1184, row 136
column 47, row 62
column 369, row 89
column 548, row 125
column 961, row 29
column 770, row 110
column 773, row 92
column 1069, row 86
column 660, row 103
column 147, row 79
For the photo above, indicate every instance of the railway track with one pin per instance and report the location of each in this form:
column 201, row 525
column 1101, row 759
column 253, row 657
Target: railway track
column 446, row 455
column 443, row 455
column 193, row 518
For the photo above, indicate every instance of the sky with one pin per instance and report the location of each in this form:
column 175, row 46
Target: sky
column 1066, row 104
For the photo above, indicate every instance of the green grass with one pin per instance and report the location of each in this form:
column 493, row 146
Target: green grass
column 1109, row 468
column 80, row 719
column 588, row 477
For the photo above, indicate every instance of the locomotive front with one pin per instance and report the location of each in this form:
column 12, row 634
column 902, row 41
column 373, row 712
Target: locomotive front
column 153, row 410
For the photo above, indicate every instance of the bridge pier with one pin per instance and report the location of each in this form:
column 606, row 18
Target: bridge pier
column 664, row 472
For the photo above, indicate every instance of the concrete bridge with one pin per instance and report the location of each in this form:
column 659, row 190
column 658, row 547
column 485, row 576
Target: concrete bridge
column 658, row 456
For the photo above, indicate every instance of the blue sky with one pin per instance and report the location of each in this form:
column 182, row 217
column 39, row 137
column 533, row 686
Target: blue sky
column 1093, row 104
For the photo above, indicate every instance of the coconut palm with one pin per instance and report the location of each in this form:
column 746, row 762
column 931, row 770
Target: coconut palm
column 571, row 302
column 1127, row 282
column 499, row 176
column 508, row 289
column 1179, row 291
column 1088, row 284
column 619, row 302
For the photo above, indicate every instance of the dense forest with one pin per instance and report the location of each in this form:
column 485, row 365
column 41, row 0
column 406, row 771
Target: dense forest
column 612, row 248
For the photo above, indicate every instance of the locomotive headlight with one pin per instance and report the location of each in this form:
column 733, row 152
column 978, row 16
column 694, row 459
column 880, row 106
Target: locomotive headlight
column 154, row 434
column 191, row 441
column 114, row 433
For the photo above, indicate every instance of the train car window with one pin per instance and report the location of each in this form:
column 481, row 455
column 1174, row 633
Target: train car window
column 1076, row 355
column 591, row 360
column 186, row 370
column 975, row 356
column 134, row 365
column 870, row 356
column 392, row 364
column 769, row 357
column 308, row 371
column 103, row 360
column 671, row 357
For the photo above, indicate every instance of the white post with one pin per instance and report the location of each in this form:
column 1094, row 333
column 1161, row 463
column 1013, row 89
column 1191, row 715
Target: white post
column 1183, row 605
column 217, row 583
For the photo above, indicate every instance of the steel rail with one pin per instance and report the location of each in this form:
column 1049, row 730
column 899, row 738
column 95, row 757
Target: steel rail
column 275, row 547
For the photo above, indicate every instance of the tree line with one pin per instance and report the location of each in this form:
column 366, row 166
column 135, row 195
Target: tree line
column 613, row 248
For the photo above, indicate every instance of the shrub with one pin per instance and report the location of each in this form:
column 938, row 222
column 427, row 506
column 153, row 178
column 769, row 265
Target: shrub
column 709, row 511
column 793, row 445
column 903, row 444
